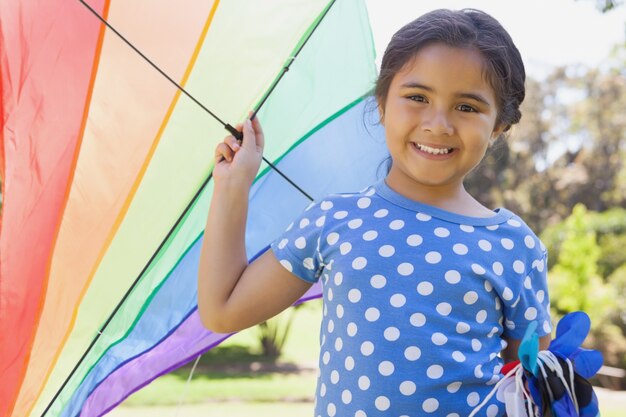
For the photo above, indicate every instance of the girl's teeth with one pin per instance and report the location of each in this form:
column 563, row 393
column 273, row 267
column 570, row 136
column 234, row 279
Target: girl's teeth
column 434, row 151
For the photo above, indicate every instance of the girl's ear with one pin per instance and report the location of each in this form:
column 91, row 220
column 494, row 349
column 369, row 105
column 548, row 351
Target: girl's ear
column 496, row 134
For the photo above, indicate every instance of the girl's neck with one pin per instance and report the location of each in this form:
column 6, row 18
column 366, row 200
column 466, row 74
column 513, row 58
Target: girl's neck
column 451, row 197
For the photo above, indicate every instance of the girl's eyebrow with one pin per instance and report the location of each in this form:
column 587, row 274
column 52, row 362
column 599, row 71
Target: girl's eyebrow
column 469, row 95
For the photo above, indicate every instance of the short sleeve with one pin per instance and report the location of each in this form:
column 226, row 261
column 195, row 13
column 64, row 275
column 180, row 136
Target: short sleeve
column 297, row 249
column 531, row 302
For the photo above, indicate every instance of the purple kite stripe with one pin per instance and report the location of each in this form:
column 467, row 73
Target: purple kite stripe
column 190, row 339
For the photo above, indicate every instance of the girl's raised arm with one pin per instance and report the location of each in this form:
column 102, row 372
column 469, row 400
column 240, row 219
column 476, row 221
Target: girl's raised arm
column 232, row 294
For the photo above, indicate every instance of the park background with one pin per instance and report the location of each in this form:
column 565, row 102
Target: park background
column 562, row 169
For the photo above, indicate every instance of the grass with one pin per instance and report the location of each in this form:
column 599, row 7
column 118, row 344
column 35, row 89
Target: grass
column 236, row 371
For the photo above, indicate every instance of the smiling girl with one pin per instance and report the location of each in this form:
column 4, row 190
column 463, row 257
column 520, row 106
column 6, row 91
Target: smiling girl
column 426, row 291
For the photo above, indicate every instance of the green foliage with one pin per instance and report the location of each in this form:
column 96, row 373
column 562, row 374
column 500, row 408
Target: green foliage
column 575, row 283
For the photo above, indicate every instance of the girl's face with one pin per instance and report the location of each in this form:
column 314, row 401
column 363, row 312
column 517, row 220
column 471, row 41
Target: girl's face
column 439, row 117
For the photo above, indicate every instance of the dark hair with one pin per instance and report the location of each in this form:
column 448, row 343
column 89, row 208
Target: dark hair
column 467, row 28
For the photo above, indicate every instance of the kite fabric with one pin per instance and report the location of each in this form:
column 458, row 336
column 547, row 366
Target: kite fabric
column 106, row 173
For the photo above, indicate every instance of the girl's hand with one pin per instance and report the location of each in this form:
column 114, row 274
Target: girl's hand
column 240, row 163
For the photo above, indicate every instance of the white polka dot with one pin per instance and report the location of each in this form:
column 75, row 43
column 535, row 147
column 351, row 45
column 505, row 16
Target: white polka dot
column 372, row 314
column 338, row 344
column 340, row 214
column 472, row 399
column 540, row 265
column 507, row 243
column 414, row 240
column 396, row 225
column 364, row 383
column 540, row 296
column 331, row 410
column 519, row 267
column 444, row 308
column 378, row 281
column 453, row 387
column 320, row 221
column 359, row 263
column 370, row 235
column 354, row 295
column 338, row 278
column 481, row 316
column 363, row 202
column 326, row 205
column 478, row 371
column 346, row 396
column 492, row 410
column 355, row 223
column 397, row 300
column 332, row 238
column 322, row 390
column 514, row 223
column 370, row 192
column 462, row 327
column 392, row 334
column 425, row 288
column 386, row 368
column 430, row 405
column 382, row 403
column 484, row 245
column 442, row 232
column 326, row 357
column 498, row 269
column 453, row 415
column 286, row 264
column 460, row 249
column 476, row 345
column 408, row 388
column 529, row 242
column 349, row 363
column 381, row 213
column 334, row 377
column 434, row 371
column 422, row 217
column 433, row 257
column 386, row 251
column 283, row 243
column 367, row 348
column 453, row 277
column 492, row 227
column 308, row 263
column 470, row 297
column 345, row 248
column 352, row 329
column 478, row 269
column 439, row 339
column 418, row 319
column 405, row 269
column 304, row 223
column 412, row 353
column 507, row 294
column 530, row 313
column 339, row 311
column 331, row 326
column 458, row 356
column 498, row 306
column 467, row 228
column 547, row 327
column 509, row 324
column 359, row 413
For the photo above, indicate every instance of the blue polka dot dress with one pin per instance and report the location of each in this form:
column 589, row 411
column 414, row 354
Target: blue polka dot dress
column 416, row 301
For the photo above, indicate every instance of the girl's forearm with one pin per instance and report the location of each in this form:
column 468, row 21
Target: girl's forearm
column 223, row 257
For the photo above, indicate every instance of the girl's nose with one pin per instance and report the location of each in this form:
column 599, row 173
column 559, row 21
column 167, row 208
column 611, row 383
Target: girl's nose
column 437, row 122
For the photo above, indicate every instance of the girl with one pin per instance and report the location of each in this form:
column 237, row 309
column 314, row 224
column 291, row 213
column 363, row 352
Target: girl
column 426, row 291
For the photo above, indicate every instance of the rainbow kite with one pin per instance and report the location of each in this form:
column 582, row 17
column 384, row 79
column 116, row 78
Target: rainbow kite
column 106, row 171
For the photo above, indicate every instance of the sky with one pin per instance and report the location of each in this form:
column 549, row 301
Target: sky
column 548, row 33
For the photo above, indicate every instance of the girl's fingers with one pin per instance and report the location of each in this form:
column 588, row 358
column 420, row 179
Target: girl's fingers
column 232, row 143
column 260, row 138
column 223, row 152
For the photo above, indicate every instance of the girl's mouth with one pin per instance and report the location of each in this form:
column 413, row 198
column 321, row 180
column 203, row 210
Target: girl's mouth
column 432, row 152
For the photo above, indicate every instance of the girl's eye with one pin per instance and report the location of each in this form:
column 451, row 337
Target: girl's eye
column 467, row 108
column 419, row 99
